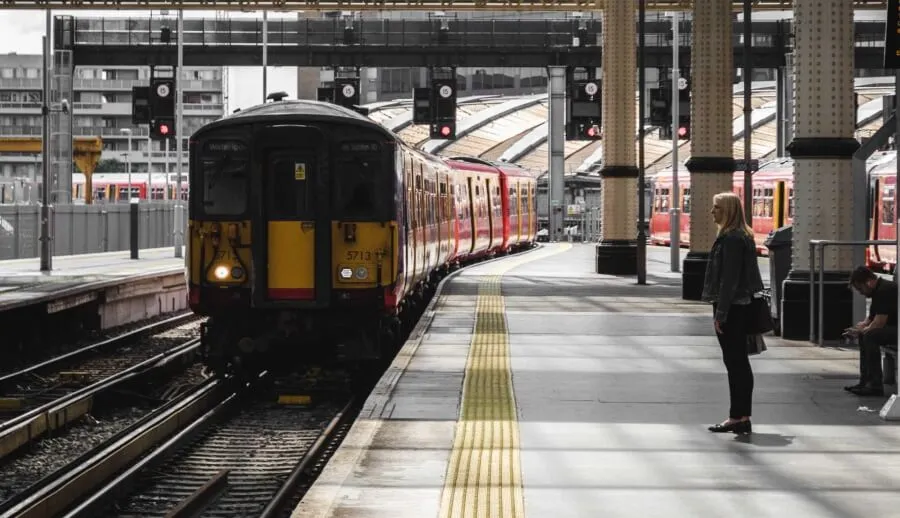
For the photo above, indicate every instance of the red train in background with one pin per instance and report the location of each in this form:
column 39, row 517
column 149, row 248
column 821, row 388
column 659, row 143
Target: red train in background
column 773, row 206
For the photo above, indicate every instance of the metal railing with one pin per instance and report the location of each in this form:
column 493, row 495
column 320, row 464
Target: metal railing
column 818, row 245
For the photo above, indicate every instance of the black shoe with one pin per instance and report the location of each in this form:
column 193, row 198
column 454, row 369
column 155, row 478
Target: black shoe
column 738, row 427
column 851, row 388
column 869, row 391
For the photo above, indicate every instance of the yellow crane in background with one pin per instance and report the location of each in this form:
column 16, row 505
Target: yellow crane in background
column 85, row 152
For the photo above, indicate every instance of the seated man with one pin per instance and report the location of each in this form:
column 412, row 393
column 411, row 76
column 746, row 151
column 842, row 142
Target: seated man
column 880, row 329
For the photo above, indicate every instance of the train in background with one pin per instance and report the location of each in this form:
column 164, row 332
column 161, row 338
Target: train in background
column 113, row 187
column 773, row 206
column 316, row 235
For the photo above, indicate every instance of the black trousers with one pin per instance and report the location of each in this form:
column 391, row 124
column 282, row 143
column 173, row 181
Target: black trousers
column 733, row 342
column 870, row 355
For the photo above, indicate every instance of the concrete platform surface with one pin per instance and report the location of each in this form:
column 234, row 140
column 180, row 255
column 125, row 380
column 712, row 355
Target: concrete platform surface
column 574, row 394
column 22, row 283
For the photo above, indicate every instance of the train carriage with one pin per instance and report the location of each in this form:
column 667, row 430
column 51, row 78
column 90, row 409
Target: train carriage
column 317, row 234
column 773, row 205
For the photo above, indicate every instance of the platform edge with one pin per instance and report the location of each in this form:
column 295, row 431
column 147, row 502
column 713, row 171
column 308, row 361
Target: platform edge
column 319, row 500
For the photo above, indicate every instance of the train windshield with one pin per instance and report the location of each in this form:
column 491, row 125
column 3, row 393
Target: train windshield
column 225, row 179
column 361, row 184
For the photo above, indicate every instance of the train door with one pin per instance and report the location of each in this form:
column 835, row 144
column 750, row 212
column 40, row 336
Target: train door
column 295, row 249
column 474, row 211
column 489, row 196
column 411, row 241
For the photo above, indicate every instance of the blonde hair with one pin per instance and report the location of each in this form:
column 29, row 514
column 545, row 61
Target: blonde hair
column 732, row 212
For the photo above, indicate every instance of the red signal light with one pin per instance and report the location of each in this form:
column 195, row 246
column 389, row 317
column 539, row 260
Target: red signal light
column 163, row 129
column 445, row 131
column 682, row 131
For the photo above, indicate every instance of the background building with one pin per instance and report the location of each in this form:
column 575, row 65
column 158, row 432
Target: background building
column 101, row 107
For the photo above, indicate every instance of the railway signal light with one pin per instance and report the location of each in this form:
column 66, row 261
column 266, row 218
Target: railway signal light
column 162, row 97
column 443, row 130
column 684, row 131
column 585, row 110
column 162, row 128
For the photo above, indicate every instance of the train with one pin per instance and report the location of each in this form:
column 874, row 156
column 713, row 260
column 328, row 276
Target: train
column 316, row 235
column 113, row 187
column 773, row 205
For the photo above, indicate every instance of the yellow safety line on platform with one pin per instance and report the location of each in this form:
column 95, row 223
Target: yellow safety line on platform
column 484, row 477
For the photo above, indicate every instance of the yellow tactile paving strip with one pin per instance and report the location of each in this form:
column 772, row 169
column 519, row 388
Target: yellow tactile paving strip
column 484, row 476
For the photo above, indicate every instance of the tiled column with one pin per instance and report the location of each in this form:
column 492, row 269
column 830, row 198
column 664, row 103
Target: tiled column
column 711, row 164
column 617, row 250
column 822, row 149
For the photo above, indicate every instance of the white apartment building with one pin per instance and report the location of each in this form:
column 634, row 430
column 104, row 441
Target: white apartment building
column 101, row 107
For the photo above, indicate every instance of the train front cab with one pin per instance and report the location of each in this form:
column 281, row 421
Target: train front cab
column 295, row 245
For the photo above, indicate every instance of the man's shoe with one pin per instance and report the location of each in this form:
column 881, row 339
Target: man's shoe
column 851, row 388
column 869, row 391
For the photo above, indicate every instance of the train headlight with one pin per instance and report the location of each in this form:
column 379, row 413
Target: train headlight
column 362, row 273
column 221, row 272
column 237, row 272
column 346, row 273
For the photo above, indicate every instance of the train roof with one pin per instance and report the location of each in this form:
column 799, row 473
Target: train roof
column 293, row 110
column 480, row 164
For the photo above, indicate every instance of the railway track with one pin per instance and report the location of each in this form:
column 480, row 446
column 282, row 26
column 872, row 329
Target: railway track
column 220, row 448
column 71, row 351
column 45, row 398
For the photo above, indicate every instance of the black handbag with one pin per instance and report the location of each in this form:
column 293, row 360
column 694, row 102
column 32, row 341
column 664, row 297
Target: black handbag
column 759, row 317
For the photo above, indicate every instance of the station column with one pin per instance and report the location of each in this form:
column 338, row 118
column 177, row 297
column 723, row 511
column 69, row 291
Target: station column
column 822, row 148
column 711, row 164
column 617, row 250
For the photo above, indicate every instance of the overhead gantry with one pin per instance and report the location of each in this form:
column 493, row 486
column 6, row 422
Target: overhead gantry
column 390, row 5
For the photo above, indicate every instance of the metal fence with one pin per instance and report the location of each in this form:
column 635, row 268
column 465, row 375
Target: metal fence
column 84, row 229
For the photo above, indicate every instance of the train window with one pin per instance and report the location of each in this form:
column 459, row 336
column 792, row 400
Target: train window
column 225, row 185
column 790, row 213
column 359, row 189
column 887, row 205
column 288, row 197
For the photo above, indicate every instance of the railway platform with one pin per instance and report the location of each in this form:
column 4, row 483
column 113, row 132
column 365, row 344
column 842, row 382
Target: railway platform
column 535, row 387
column 124, row 289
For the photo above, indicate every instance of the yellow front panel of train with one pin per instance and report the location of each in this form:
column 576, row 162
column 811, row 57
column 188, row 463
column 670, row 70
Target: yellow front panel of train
column 291, row 251
column 358, row 248
column 219, row 252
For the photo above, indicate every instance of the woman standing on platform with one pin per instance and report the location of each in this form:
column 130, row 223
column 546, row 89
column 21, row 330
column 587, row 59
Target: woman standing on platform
column 732, row 278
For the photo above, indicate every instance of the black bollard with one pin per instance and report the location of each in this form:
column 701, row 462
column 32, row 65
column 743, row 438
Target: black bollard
column 134, row 228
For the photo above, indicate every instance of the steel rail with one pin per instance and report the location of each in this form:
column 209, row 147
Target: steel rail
column 96, row 467
column 108, row 343
column 276, row 506
column 21, row 430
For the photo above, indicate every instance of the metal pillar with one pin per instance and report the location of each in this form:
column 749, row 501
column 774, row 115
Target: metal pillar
column 891, row 409
column 711, row 164
column 642, row 236
column 46, row 255
column 748, row 110
column 179, row 139
column 149, row 168
column 557, row 162
column 822, row 148
column 675, row 209
column 780, row 113
column 616, row 254
column 265, row 55
column 788, row 122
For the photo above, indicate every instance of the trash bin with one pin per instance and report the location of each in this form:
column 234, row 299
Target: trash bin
column 779, row 245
